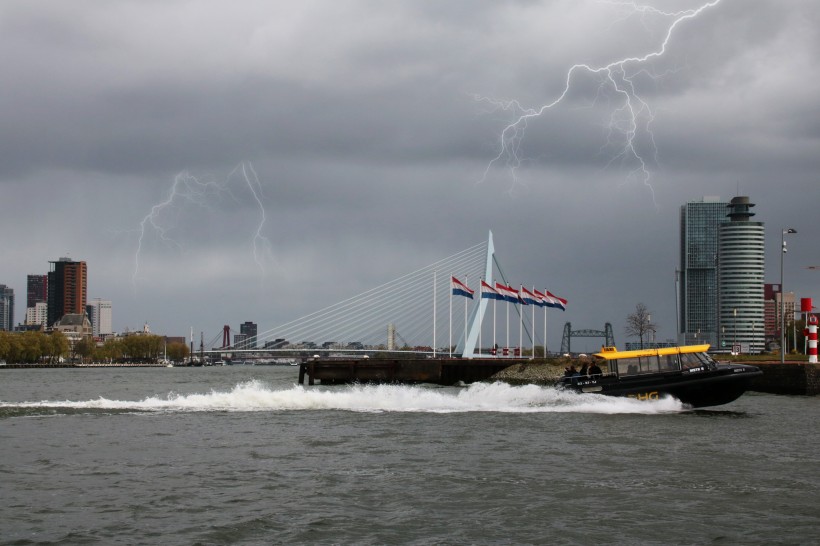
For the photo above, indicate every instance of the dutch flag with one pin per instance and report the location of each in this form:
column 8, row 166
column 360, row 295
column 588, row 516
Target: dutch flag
column 460, row 289
column 507, row 293
column 488, row 292
column 529, row 298
column 560, row 303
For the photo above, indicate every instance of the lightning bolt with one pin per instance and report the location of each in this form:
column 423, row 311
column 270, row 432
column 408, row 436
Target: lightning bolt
column 259, row 242
column 187, row 190
column 628, row 122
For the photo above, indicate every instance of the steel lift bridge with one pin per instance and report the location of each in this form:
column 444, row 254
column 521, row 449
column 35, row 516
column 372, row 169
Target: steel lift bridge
column 569, row 333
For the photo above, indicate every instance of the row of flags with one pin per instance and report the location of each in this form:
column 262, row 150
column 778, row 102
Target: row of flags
column 508, row 293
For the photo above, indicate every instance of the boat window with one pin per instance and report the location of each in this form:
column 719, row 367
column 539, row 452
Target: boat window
column 706, row 360
column 652, row 364
column 709, row 358
column 669, row 363
column 689, row 360
column 637, row 365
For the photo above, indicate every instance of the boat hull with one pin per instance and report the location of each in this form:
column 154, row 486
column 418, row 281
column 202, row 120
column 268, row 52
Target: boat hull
column 696, row 388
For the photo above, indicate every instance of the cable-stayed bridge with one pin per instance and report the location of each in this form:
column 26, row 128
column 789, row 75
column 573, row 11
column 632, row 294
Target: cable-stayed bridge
column 415, row 312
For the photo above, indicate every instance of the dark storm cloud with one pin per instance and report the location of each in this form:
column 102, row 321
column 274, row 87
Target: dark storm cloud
column 362, row 123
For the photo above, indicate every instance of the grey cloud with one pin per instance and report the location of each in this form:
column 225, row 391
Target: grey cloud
column 360, row 120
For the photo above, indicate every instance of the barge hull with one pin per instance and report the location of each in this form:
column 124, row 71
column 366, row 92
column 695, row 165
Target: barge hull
column 442, row 371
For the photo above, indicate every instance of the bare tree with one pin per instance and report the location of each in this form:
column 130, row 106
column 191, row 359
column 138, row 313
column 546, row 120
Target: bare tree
column 639, row 324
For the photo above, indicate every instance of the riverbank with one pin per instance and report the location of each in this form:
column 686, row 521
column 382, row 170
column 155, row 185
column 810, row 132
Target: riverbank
column 78, row 365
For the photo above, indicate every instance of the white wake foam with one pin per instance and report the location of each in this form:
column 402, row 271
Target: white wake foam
column 496, row 397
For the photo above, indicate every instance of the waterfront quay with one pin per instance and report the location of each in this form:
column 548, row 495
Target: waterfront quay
column 787, row 378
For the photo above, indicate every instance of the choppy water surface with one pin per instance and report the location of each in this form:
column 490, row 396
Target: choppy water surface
column 243, row 455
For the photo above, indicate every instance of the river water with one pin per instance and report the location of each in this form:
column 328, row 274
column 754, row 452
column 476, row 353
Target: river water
column 242, row 455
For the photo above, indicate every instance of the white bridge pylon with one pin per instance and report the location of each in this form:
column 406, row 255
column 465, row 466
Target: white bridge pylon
column 478, row 310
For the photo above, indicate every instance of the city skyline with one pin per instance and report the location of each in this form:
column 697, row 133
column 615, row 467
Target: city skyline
column 701, row 220
column 261, row 163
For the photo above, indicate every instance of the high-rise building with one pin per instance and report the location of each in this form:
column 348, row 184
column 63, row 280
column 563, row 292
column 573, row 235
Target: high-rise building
column 99, row 313
column 741, row 268
column 698, row 297
column 37, row 315
column 6, row 308
column 771, row 310
column 67, row 289
column 249, row 330
column 36, row 289
column 240, row 341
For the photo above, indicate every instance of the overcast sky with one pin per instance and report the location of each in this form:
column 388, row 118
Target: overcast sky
column 372, row 128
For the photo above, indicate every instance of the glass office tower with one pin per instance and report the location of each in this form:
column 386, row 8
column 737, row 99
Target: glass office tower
column 698, row 288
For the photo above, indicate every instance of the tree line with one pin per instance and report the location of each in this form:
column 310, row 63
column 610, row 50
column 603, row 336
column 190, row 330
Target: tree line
column 32, row 347
column 37, row 347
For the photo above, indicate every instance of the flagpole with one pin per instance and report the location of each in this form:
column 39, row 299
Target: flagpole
column 520, row 325
column 465, row 313
column 508, row 329
column 481, row 327
column 545, row 326
column 450, row 343
column 434, row 313
column 495, row 300
column 533, row 326
column 520, row 330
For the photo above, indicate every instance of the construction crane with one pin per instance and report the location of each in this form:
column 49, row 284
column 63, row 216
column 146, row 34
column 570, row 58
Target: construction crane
column 398, row 335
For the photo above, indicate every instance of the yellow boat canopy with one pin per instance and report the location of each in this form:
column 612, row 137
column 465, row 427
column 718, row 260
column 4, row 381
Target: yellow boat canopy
column 611, row 353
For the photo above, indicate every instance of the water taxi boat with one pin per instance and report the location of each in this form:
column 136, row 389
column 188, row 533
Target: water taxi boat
column 686, row 373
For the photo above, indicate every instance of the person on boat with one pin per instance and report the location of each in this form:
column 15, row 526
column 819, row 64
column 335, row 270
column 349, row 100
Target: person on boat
column 594, row 370
column 584, row 369
column 571, row 371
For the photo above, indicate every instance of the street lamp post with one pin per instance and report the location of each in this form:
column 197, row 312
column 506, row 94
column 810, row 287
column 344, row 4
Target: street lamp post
column 734, row 333
column 677, row 313
column 782, row 302
column 751, row 344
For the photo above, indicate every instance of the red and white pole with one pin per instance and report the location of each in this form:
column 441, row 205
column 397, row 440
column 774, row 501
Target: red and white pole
column 812, row 339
